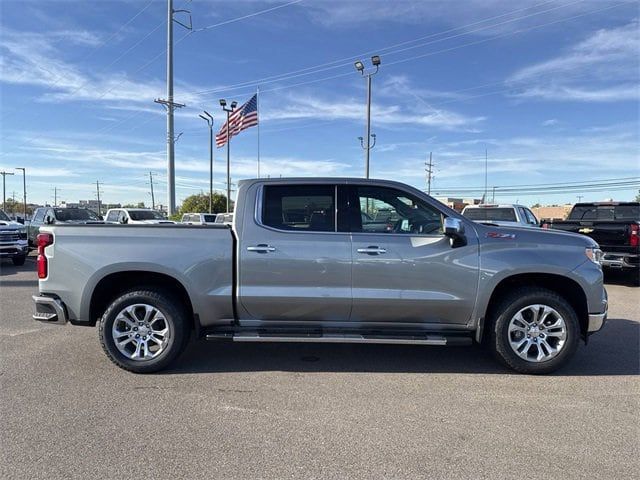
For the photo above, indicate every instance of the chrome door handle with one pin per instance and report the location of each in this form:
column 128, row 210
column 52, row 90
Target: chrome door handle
column 372, row 250
column 262, row 248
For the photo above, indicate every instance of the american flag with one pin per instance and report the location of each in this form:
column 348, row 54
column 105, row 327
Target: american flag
column 244, row 117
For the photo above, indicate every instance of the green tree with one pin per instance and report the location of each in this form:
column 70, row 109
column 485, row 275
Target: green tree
column 638, row 196
column 199, row 203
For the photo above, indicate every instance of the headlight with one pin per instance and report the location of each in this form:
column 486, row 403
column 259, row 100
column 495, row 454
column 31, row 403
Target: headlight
column 594, row 254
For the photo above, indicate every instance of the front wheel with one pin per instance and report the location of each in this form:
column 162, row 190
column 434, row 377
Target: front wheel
column 534, row 331
column 143, row 331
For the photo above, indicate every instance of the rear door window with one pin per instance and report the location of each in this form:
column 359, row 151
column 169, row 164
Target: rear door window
column 488, row 214
column 299, row 207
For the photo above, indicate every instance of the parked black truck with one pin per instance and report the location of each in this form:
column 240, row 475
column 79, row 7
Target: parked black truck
column 616, row 228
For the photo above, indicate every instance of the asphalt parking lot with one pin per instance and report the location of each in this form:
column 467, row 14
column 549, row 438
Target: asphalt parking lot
column 312, row 411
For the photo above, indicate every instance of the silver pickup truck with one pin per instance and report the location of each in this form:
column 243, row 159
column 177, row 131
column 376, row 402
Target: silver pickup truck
column 310, row 260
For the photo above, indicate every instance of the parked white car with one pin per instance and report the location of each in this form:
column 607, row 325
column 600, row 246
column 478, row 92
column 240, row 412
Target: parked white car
column 199, row 218
column 506, row 215
column 226, row 218
column 135, row 216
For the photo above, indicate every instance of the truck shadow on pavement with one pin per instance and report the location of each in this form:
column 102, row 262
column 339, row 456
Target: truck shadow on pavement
column 614, row 351
column 8, row 270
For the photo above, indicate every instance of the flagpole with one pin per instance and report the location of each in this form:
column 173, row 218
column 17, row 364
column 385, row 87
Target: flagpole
column 258, row 113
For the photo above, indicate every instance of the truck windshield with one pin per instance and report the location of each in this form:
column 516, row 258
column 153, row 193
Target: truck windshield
column 66, row 214
column 488, row 214
column 4, row 217
column 605, row 212
column 145, row 215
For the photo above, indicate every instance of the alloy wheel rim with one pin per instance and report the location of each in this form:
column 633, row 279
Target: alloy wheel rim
column 537, row 333
column 141, row 332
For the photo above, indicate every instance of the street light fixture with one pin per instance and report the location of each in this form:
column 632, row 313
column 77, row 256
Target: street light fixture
column 223, row 104
column 209, row 119
column 367, row 146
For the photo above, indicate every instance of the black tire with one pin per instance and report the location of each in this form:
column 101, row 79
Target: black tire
column 509, row 307
column 176, row 317
column 19, row 260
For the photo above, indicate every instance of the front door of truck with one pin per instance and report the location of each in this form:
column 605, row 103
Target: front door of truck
column 294, row 265
column 404, row 268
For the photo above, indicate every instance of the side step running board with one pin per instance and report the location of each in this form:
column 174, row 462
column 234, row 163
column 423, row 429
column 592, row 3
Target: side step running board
column 342, row 338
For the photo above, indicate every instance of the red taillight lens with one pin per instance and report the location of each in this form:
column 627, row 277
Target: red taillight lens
column 634, row 239
column 43, row 240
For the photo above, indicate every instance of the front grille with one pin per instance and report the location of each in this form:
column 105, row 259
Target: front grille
column 10, row 236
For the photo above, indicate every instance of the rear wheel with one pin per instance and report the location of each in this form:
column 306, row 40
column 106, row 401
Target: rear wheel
column 143, row 331
column 534, row 331
column 19, row 260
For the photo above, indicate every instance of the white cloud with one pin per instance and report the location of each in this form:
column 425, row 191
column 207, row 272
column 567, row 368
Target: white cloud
column 601, row 68
column 551, row 122
column 299, row 106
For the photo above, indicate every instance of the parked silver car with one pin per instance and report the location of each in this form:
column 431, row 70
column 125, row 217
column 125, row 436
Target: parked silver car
column 199, row 218
column 301, row 263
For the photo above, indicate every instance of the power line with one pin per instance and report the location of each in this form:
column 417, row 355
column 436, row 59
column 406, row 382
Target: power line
column 233, row 20
column 346, row 61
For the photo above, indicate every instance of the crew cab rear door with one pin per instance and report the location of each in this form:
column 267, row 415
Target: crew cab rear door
column 293, row 264
column 404, row 268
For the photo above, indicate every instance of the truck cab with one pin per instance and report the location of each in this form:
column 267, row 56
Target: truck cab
column 132, row 216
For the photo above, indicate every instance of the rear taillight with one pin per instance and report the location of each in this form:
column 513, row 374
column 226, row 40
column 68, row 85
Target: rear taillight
column 43, row 240
column 634, row 239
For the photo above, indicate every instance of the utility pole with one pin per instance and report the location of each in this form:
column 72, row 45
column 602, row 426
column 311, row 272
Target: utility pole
column 231, row 108
column 580, row 198
column 55, row 196
column 366, row 144
column 493, row 195
column 4, row 188
column 429, row 169
column 170, row 106
column 98, row 195
column 486, row 164
column 24, row 190
column 153, row 200
column 209, row 119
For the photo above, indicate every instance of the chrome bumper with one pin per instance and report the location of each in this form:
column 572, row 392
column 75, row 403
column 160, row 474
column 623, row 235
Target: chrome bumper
column 619, row 260
column 49, row 310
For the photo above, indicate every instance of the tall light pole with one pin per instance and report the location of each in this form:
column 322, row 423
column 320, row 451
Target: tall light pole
column 231, row 108
column 209, row 119
column 24, row 190
column 366, row 144
column 4, row 188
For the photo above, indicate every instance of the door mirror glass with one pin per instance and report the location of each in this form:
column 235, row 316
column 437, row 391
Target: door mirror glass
column 48, row 220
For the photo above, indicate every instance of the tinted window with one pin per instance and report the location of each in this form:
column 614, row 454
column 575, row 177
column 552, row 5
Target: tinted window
column 299, row 207
column 4, row 217
column 39, row 215
column 67, row 214
column 387, row 210
column 605, row 212
column 209, row 218
column 531, row 218
column 145, row 215
column 488, row 214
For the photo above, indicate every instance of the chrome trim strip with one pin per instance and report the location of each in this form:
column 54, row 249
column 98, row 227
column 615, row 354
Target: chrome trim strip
column 339, row 339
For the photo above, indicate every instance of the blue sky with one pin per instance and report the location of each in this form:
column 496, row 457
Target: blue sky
column 549, row 88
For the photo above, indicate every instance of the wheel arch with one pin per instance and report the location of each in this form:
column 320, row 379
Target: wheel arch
column 564, row 286
column 114, row 284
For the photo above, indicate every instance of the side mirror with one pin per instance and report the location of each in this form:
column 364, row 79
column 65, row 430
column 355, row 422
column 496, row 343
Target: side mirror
column 454, row 229
column 124, row 220
column 48, row 220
